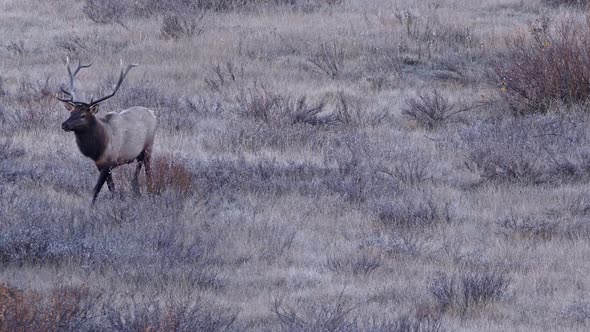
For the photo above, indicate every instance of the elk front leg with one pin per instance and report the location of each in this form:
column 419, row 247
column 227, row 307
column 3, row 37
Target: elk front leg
column 110, row 182
column 102, row 177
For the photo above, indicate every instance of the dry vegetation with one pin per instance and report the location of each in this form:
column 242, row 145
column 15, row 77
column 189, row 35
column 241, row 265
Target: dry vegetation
column 322, row 165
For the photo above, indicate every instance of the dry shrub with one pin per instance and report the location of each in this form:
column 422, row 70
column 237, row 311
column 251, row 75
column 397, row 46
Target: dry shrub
column 569, row 221
column 411, row 169
column 179, row 26
column 326, row 315
column 11, row 305
column 259, row 104
column 171, row 174
column 533, row 149
column 168, row 315
column 223, row 75
column 415, row 212
column 63, row 309
column 269, row 108
column 16, row 48
column 550, row 68
column 329, row 59
column 431, row 110
column 304, row 113
column 462, row 293
column 73, row 45
column 357, row 264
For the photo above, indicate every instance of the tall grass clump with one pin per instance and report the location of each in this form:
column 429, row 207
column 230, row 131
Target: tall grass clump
column 171, row 174
column 557, row 3
column 551, row 67
column 464, row 293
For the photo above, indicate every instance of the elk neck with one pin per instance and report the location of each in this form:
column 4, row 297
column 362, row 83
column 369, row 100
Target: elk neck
column 92, row 140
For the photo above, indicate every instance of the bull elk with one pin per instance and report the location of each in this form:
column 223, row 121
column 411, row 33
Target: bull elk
column 113, row 140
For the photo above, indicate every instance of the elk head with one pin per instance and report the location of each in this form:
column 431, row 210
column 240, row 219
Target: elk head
column 81, row 113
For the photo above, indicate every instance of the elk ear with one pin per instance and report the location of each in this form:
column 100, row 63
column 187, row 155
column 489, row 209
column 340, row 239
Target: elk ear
column 93, row 109
column 69, row 105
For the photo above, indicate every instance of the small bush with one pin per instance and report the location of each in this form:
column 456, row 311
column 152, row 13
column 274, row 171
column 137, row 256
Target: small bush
column 363, row 264
column 410, row 169
column 551, row 67
column 171, row 174
column 532, row 150
column 430, row 111
column 223, row 75
column 566, row 222
column 73, row 45
column 17, row 48
column 329, row 59
column 259, row 104
column 327, row 315
column 382, row 60
column 353, row 178
column 344, row 113
column 459, row 294
column 311, row 115
column 180, row 26
column 456, row 69
column 282, row 111
column 417, row 322
column 168, row 315
column 401, row 242
column 530, row 227
column 415, row 211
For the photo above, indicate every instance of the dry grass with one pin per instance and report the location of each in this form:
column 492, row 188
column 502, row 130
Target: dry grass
column 550, row 67
column 172, row 175
column 319, row 165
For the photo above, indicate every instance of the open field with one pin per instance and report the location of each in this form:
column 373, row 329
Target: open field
column 343, row 165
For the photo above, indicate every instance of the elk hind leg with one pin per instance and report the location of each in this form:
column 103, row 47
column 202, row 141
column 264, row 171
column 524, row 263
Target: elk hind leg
column 135, row 184
column 110, row 182
column 148, row 169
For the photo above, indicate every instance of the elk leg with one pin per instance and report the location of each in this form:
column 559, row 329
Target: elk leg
column 135, row 183
column 110, row 182
column 147, row 158
column 102, row 177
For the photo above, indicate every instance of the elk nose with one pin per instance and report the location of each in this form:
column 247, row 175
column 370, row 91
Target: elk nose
column 65, row 126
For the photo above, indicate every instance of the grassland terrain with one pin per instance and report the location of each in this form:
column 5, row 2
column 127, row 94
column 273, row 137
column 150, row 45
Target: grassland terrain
column 320, row 165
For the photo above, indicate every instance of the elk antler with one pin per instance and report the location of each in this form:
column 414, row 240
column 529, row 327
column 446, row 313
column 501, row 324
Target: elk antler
column 121, row 78
column 72, row 93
